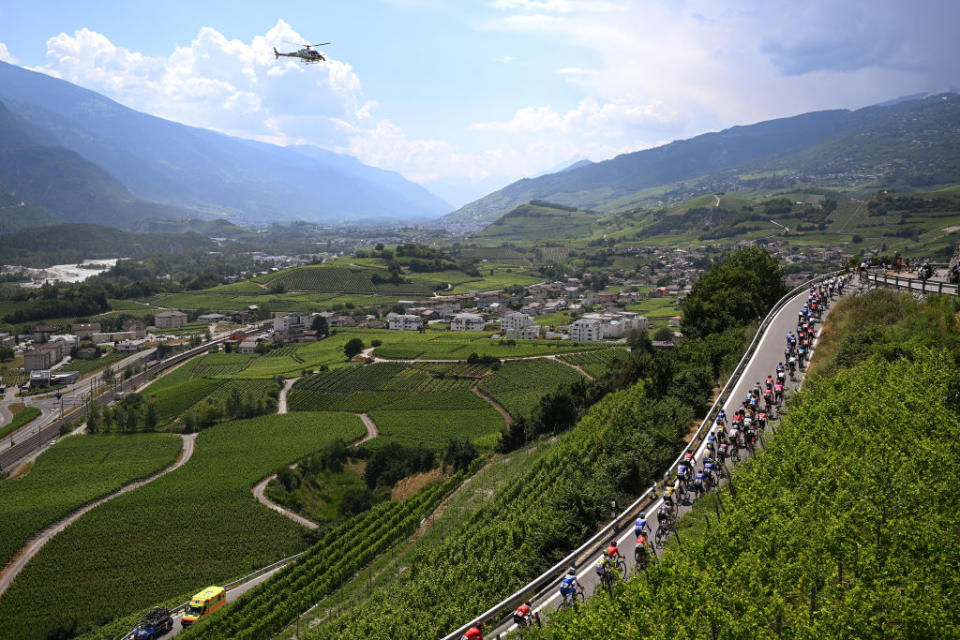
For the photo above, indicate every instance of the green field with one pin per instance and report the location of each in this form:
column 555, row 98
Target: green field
column 435, row 418
column 657, row 311
column 198, row 525
column 518, row 385
column 596, row 363
column 70, row 474
column 20, row 419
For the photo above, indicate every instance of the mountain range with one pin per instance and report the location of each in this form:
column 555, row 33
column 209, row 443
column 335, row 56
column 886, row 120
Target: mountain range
column 86, row 158
column 904, row 144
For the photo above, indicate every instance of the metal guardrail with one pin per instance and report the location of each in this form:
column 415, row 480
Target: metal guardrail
column 549, row 576
column 928, row 286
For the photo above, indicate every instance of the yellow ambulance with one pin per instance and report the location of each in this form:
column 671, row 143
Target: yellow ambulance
column 202, row 604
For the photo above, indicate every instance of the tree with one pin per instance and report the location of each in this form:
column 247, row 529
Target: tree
column 353, row 347
column 733, row 293
column 320, row 326
column 663, row 334
column 6, row 354
column 108, row 376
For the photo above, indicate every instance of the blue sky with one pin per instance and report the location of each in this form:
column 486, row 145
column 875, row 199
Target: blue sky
column 465, row 97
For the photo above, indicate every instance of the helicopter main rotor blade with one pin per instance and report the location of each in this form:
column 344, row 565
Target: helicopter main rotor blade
column 319, row 45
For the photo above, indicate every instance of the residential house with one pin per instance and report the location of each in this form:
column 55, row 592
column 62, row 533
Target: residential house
column 129, row 346
column 44, row 356
column 404, row 321
column 211, row 317
column 514, row 322
column 170, row 320
column 248, row 346
column 467, row 322
column 42, row 332
column 586, row 330
column 138, row 327
column 84, row 330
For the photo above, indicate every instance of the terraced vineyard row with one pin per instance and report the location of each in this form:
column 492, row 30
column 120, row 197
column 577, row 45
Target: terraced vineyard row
column 324, row 568
column 352, row 402
column 518, row 385
column 525, row 527
column 596, row 363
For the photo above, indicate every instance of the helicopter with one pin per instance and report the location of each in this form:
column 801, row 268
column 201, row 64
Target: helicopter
column 308, row 54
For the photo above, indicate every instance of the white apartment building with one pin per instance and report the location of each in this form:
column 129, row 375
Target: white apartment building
column 531, row 332
column 515, row 321
column 467, row 322
column 586, row 330
column 618, row 324
column 404, row 321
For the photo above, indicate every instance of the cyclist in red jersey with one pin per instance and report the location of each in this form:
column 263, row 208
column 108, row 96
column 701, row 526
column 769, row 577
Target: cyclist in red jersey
column 612, row 549
column 475, row 632
column 522, row 615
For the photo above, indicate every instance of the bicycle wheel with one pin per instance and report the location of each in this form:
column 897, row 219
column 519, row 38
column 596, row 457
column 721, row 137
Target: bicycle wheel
column 622, row 566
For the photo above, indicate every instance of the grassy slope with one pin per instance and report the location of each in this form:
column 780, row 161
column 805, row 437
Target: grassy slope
column 196, row 526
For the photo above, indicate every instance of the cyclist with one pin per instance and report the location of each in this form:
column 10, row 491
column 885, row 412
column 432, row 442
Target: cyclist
column 683, row 472
column 668, row 496
column 664, row 513
column 569, row 584
column 613, row 552
column 778, row 392
column 721, row 417
column 640, row 554
column 769, row 383
column 475, row 632
column 699, row 482
column 722, row 452
column 521, row 616
column 688, row 457
column 641, row 527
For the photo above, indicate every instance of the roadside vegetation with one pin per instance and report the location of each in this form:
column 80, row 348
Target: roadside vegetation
column 838, row 550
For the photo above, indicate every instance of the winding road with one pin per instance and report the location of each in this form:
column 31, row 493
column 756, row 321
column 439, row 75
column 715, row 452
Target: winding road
column 763, row 362
column 26, row 554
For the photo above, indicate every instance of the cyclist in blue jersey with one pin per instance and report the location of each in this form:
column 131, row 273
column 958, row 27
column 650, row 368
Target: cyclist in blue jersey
column 569, row 584
column 641, row 527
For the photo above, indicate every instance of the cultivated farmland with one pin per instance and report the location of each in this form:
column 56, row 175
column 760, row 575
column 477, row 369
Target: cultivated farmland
column 198, row 525
column 519, row 384
column 596, row 363
column 72, row 473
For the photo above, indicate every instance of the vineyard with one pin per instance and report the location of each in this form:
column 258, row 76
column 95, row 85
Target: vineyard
column 596, row 363
column 330, row 563
column 518, row 385
column 363, row 388
column 198, row 525
column 72, row 473
column 342, row 280
column 459, row 346
column 529, row 523
column 857, row 540
column 435, row 418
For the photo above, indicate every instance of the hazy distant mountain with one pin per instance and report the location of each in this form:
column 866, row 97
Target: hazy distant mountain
column 207, row 172
column 914, row 142
column 60, row 181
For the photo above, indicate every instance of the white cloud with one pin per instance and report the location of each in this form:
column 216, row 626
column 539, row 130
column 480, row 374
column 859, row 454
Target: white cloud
column 6, row 56
column 218, row 83
column 504, row 59
column 589, row 119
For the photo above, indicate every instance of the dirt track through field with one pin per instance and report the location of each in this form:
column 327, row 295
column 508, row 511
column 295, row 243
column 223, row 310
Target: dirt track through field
column 259, row 490
column 12, row 570
column 493, row 403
